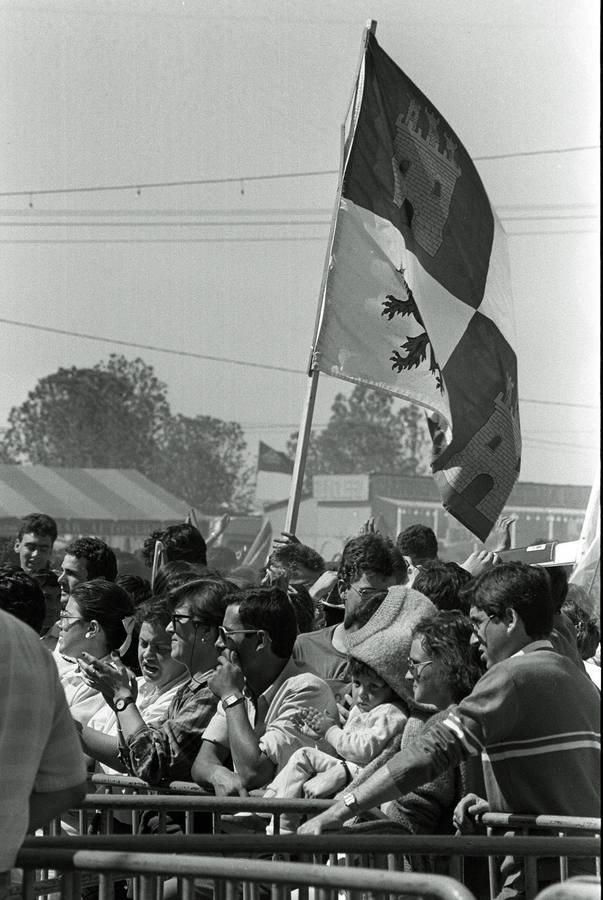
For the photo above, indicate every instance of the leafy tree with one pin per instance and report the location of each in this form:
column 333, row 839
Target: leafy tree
column 116, row 415
column 366, row 434
column 82, row 417
column 201, row 460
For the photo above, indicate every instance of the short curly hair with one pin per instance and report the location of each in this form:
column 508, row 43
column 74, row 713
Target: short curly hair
column 418, row 542
column 22, row 596
column 446, row 638
column 371, row 552
column 40, row 524
column 100, row 558
column 181, row 542
column 298, row 555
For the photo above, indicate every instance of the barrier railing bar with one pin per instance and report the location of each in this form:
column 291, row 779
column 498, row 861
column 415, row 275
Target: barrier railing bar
column 515, row 820
column 563, row 863
column 439, row 886
column 332, row 842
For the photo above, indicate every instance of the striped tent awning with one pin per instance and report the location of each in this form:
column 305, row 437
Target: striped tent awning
column 90, row 495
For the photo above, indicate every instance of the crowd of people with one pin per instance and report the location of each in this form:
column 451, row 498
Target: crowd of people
column 415, row 692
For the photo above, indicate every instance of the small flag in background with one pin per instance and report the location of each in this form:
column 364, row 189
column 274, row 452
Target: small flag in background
column 418, row 299
column 270, row 460
column 273, row 480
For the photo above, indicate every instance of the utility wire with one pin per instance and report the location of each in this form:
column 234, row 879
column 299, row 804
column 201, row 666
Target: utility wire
column 237, row 362
column 139, row 186
column 174, row 352
column 253, row 224
column 259, row 211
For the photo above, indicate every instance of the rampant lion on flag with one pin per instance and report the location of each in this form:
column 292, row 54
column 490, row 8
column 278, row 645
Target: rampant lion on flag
column 416, row 347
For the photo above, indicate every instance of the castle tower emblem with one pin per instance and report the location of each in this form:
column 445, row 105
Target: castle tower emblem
column 425, row 174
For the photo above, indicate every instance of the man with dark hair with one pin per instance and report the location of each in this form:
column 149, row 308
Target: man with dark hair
column 298, row 562
column 86, row 558
column 532, row 720
column 418, row 543
column 260, row 688
column 35, row 538
column 21, row 595
column 370, row 565
column 439, row 582
column 181, row 542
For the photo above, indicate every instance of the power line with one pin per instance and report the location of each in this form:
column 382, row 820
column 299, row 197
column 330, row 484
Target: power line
column 253, row 224
column 225, row 240
column 174, row 352
column 238, row 362
column 263, row 211
column 139, row 186
column 171, row 224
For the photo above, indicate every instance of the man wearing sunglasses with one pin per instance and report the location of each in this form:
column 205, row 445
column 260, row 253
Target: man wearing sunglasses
column 260, row 690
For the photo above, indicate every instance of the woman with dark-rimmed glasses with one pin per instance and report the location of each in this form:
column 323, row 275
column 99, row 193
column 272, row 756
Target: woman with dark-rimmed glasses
column 166, row 753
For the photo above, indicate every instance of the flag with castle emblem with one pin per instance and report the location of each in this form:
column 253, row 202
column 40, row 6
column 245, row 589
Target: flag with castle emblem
column 418, row 294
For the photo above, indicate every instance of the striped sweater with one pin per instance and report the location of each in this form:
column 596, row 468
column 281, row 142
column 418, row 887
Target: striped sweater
column 535, row 721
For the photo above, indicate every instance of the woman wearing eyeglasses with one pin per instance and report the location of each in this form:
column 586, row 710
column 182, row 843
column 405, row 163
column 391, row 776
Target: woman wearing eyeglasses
column 442, row 668
column 97, row 621
column 162, row 753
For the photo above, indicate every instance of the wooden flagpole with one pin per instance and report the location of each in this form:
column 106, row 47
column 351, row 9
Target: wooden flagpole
column 305, row 429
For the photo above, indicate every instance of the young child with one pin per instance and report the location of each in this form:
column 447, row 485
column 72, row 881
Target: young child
column 375, row 718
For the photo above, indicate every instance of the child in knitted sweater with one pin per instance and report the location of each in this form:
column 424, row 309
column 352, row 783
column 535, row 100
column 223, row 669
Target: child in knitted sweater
column 375, row 719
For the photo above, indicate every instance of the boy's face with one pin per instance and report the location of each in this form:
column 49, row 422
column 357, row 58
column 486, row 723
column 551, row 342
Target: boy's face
column 370, row 691
column 34, row 552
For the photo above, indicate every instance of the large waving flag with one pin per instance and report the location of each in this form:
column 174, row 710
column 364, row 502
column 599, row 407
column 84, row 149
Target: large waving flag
column 418, row 299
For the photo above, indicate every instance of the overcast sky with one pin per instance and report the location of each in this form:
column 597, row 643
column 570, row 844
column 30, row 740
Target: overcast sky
column 131, row 93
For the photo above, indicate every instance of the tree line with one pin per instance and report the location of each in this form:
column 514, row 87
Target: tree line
column 117, row 415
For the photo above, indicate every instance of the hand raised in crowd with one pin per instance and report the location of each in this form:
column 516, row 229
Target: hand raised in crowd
column 500, row 536
column 325, row 784
column 467, row 812
column 369, row 527
column 312, row 721
column 480, row 561
column 286, row 537
column 323, row 585
column 228, row 676
column 108, row 677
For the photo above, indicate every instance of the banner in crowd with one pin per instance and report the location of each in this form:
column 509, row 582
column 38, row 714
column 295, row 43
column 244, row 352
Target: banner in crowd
column 418, row 298
column 273, row 479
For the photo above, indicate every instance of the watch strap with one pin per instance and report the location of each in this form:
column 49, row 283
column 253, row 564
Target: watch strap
column 232, row 700
column 122, row 702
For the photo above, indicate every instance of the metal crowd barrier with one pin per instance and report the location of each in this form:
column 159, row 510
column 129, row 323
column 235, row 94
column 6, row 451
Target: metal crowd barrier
column 562, row 838
column 226, row 879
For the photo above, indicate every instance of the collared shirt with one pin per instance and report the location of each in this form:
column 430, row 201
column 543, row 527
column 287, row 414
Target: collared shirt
column 160, row 754
column 39, row 747
column 82, row 699
column 271, row 715
column 153, row 705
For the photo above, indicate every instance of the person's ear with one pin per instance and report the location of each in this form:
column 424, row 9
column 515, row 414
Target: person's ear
column 262, row 639
column 93, row 629
column 17, row 546
column 511, row 619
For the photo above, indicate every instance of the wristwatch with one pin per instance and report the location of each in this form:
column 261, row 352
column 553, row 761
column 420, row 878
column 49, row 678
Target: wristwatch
column 232, row 700
column 350, row 801
column 122, row 702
